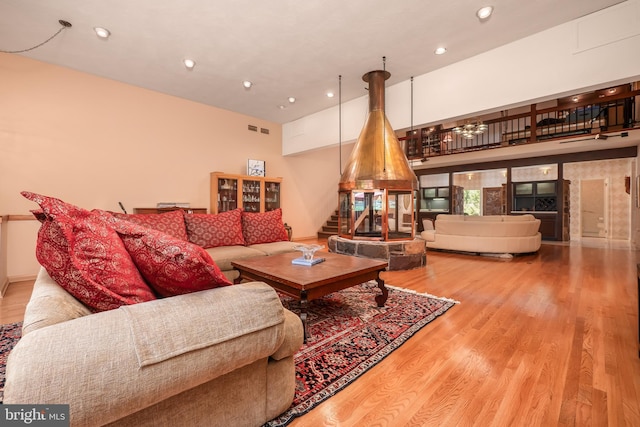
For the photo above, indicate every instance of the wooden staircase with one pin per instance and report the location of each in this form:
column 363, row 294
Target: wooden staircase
column 330, row 228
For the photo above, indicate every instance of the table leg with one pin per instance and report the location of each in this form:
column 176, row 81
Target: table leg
column 381, row 299
column 304, row 303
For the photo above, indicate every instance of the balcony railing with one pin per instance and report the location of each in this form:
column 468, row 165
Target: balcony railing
column 616, row 113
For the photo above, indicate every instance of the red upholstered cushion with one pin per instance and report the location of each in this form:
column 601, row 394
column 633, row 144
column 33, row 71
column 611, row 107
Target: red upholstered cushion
column 213, row 230
column 86, row 257
column 264, row 227
column 171, row 222
column 170, row 266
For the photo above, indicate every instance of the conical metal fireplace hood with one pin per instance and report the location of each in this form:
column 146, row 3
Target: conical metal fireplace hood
column 377, row 160
column 377, row 188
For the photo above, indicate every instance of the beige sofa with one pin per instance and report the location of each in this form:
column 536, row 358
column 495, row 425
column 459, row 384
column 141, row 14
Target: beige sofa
column 224, row 255
column 219, row 357
column 493, row 234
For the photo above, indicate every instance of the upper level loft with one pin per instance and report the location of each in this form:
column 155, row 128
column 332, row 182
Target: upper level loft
column 598, row 114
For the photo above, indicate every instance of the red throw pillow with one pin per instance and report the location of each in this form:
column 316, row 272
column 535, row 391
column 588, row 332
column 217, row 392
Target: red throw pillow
column 213, row 230
column 264, row 227
column 171, row 222
column 86, row 257
column 170, row 266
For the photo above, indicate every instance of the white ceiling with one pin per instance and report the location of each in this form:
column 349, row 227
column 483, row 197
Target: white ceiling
column 286, row 47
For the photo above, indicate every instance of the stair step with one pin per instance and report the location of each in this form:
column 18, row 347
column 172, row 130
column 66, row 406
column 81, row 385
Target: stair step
column 330, row 228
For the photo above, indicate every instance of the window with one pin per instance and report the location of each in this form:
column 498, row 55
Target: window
column 472, row 202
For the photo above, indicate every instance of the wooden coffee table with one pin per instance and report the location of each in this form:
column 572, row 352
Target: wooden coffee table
column 306, row 283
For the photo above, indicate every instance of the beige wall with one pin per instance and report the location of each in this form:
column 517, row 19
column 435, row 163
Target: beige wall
column 94, row 142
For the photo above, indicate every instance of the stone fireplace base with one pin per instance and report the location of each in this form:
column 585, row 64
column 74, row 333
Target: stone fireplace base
column 400, row 254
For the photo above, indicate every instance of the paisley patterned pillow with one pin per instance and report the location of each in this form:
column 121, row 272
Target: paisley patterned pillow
column 86, row 257
column 171, row 222
column 170, row 266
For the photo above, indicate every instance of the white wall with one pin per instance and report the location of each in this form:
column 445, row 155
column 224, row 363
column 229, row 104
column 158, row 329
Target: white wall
column 596, row 50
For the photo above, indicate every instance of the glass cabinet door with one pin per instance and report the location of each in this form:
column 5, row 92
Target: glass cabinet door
column 271, row 196
column 251, row 196
column 227, row 194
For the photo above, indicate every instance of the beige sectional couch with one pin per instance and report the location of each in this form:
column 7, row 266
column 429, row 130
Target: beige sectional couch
column 131, row 324
column 492, row 234
column 219, row 357
column 224, row 255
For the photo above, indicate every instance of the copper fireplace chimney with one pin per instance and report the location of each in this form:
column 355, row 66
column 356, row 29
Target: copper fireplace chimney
column 377, row 188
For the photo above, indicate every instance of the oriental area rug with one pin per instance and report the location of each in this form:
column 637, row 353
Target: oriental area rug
column 9, row 336
column 350, row 334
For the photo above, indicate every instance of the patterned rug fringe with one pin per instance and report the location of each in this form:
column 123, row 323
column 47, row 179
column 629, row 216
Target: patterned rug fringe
column 424, row 294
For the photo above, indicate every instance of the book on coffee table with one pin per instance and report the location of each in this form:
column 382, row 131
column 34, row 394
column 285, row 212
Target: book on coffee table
column 302, row 261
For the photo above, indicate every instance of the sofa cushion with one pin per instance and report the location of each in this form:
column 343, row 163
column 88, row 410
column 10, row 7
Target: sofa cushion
column 171, row 222
column 275, row 248
column 85, row 256
column 264, row 227
column 213, row 230
column 171, row 266
column 224, row 255
column 233, row 318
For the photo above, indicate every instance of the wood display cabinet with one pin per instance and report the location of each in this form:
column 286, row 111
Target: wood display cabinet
column 421, row 143
column 249, row 193
column 413, row 145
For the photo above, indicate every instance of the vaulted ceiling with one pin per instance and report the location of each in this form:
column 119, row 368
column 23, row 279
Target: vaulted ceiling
column 287, row 48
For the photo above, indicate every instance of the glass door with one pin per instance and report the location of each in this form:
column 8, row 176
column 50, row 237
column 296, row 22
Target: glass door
column 227, row 194
column 271, row 196
column 251, row 196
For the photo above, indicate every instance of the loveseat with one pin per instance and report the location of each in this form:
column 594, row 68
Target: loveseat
column 491, row 234
column 176, row 344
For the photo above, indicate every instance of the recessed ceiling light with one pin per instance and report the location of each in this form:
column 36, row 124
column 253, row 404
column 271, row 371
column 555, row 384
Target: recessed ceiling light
column 440, row 50
column 189, row 63
column 282, row 107
column 484, row 12
column 329, row 94
column 103, row 33
column 247, row 84
column 292, row 99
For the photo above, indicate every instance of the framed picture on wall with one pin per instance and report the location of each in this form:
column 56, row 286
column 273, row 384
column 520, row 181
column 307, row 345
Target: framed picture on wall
column 255, row 168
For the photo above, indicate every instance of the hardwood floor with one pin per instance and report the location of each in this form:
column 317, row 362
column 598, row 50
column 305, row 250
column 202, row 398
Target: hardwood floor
column 540, row 340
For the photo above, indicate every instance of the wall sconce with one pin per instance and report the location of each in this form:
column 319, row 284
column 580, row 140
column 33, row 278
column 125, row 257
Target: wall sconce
column 469, row 175
column 545, row 171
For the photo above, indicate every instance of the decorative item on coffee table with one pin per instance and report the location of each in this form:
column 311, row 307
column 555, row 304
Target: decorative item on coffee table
column 307, row 255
